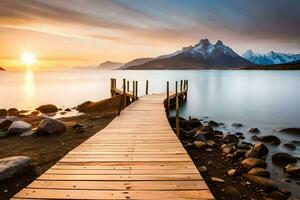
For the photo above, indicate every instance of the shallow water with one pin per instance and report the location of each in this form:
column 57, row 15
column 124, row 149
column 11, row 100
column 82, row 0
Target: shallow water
column 264, row 99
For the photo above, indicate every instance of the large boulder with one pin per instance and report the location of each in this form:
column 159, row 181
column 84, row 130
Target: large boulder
column 50, row 127
column 290, row 146
column 292, row 170
column 266, row 184
column 283, row 159
column 213, row 123
column 270, row 139
column 230, row 138
column 12, row 166
column 253, row 130
column 193, row 123
column 257, row 171
column 250, row 163
column 18, row 127
column 3, row 112
column 260, row 149
column 46, row 109
column 13, row 112
column 291, row 130
column 199, row 136
column 6, row 122
column 199, row 144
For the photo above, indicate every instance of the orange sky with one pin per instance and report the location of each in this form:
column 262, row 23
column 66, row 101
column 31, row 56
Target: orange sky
column 68, row 33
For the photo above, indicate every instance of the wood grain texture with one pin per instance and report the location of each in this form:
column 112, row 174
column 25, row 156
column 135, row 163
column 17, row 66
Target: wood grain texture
column 137, row 156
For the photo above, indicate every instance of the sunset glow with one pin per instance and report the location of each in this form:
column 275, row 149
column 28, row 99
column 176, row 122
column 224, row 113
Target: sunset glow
column 28, row 58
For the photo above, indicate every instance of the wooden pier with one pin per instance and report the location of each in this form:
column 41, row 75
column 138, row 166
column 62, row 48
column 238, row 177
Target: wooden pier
column 137, row 156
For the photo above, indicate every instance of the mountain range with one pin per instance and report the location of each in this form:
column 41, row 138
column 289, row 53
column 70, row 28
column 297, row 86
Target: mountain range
column 2, row 69
column 203, row 55
column 270, row 58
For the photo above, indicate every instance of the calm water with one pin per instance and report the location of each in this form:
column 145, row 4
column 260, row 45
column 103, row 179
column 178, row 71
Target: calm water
column 264, row 99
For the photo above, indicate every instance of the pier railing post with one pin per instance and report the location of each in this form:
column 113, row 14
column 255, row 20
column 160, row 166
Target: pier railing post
column 133, row 90
column 147, row 85
column 168, row 97
column 127, row 86
column 136, row 90
column 181, row 84
column 124, row 92
column 177, row 111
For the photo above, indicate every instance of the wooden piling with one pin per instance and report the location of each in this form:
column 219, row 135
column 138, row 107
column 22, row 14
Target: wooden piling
column 177, row 111
column 124, row 93
column 168, row 97
column 136, row 90
column 127, row 86
column 133, row 91
column 147, row 85
column 181, row 85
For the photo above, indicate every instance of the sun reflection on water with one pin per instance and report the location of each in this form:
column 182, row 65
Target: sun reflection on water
column 29, row 87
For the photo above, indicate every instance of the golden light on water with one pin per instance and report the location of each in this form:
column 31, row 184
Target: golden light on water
column 28, row 58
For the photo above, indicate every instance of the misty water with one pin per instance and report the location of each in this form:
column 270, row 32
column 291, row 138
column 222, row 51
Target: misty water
column 267, row 100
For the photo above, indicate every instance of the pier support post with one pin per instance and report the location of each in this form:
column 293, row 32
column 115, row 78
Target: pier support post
column 136, row 90
column 147, row 85
column 124, row 92
column 133, row 90
column 168, row 97
column 177, row 111
column 127, row 86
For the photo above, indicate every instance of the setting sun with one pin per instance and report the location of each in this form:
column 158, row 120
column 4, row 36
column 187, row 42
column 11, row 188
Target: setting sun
column 28, row 58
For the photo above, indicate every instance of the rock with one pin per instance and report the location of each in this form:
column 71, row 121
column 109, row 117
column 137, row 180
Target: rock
column 213, row 123
column 231, row 172
column 291, row 130
column 250, row 163
column 236, row 124
column 227, row 149
column 199, row 136
column 240, row 153
column 231, row 193
column 199, row 144
column 202, row 169
column 292, row 170
column 283, row 159
column 243, row 146
column 238, row 134
column 230, row 138
column 13, row 112
column 28, row 133
column 266, row 184
column 49, row 108
column 257, row 171
column 193, row 123
column 285, row 191
column 219, row 180
column 253, row 130
column 290, row 146
column 6, row 122
column 18, row 127
column 35, row 113
column 260, row 149
column 210, row 143
column 50, row 126
column 270, row 139
column 3, row 112
column 12, row 166
column 67, row 109
column 277, row 195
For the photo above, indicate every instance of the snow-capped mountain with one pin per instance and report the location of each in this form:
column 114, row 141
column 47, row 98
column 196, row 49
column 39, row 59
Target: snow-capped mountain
column 203, row 55
column 270, row 58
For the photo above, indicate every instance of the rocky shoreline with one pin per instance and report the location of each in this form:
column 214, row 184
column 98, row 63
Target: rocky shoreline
column 32, row 141
column 234, row 168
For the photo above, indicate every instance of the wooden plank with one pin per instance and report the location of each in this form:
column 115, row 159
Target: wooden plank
column 119, row 185
column 99, row 194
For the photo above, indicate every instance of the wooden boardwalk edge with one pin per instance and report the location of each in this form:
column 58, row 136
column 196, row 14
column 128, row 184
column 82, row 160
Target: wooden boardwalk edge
column 137, row 156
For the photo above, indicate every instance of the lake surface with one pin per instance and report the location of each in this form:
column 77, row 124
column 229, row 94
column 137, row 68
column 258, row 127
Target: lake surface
column 264, row 99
